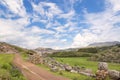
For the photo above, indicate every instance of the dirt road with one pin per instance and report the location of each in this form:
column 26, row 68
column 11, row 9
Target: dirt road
column 33, row 72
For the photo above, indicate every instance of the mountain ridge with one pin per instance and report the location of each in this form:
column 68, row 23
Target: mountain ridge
column 101, row 44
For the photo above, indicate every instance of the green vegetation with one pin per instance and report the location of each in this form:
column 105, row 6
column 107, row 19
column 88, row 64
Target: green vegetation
column 82, row 52
column 89, row 50
column 88, row 58
column 105, row 54
column 7, row 71
column 83, row 62
column 72, row 76
column 112, row 54
column 71, row 54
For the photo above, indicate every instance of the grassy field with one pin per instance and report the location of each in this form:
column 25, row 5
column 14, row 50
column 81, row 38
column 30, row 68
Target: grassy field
column 83, row 62
column 7, row 71
column 71, row 76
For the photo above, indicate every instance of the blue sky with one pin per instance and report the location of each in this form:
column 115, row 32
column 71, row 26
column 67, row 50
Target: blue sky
column 59, row 24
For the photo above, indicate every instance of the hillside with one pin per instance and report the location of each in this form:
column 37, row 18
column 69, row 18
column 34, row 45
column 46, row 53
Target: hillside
column 110, row 54
column 44, row 51
column 101, row 44
column 106, row 53
column 8, row 48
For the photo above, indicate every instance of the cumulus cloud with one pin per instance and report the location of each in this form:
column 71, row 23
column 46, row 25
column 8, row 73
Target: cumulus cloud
column 47, row 10
column 14, row 6
column 101, row 26
column 51, row 26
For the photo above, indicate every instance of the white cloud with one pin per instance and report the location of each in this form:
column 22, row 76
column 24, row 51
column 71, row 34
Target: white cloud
column 60, row 29
column 13, row 32
column 46, row 10
column 15, row 6
column 82, row 40
column 115, row 4
column 101, row 26
column 38, row 30
column 68, row 15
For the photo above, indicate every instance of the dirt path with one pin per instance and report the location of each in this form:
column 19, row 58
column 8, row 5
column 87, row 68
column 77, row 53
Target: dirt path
column 33, row 72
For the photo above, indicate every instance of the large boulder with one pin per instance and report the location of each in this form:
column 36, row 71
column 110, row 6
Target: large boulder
column 102, row 66
column 68, row 68
column 113, row 74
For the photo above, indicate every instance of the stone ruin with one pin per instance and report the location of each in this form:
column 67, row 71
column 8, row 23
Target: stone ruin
column 114, row 75
column 103, row 72
column 56, row 66
column 36, row 59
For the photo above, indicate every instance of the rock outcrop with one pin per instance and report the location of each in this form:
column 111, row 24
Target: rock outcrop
column 56, row 66
column 36, row 59
column 7, row 48
column 114, row 75
column 103, row 72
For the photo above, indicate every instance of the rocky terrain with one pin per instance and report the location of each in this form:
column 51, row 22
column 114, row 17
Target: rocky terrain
column 111, row 54
column 7, row 48
column 101, row 74
column 44, row 51
column 10, row 49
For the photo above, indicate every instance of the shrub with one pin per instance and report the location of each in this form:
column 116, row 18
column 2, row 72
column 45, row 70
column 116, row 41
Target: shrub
column 60, row 73
column 88, row 50
column 6, row 66
column 4, row 75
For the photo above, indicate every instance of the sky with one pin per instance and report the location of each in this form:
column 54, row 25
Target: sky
column 59, row 24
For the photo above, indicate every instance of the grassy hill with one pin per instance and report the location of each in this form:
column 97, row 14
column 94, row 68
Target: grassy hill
column 111, row 54
column 8, row 48
column 106, row 53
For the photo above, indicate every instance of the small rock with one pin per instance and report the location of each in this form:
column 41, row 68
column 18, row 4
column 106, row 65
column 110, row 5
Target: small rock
column 54, row 69
column 73, row 71
column 68, row 68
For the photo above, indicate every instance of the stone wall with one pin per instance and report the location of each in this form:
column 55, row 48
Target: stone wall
column 103, row 72
column 57, row 66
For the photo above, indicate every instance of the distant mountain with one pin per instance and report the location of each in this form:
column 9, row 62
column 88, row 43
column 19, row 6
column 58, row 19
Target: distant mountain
column 70, row 49
column 42, row 50
column 100, row 44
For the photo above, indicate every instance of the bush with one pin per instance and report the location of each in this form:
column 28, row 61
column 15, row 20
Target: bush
column 88, row 50
column 6, row 66
column 4, row 75
column 60, row 73
column 84, row 54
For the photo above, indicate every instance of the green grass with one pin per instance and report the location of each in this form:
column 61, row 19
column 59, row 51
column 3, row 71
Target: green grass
column 24, row 56
column 6, row 58
column 7, row 71
column 83, row 62
column 71, row 76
